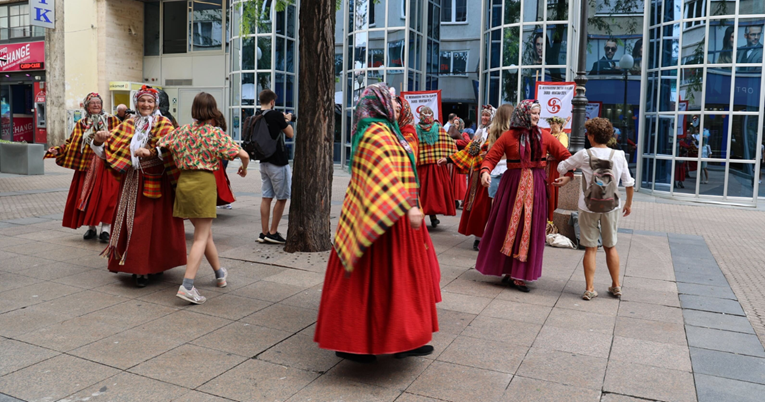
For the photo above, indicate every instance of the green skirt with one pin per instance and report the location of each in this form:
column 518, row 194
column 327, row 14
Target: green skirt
column 195, row 195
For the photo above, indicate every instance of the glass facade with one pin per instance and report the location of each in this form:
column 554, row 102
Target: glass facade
column 266, row 57
column 385, row 41
column 703, row 103
column 523, row 42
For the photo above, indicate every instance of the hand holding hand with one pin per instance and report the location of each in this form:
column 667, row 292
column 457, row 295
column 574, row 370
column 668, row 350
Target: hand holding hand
column 102, row 136
column 142, row 152
column 415, row 218
column 561, row 181
column 485, row 179
column 53, row 151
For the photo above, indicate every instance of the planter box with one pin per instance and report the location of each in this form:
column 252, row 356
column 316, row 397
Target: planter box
column 22, row 158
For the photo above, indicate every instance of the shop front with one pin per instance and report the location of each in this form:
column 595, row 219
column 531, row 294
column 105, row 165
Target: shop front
column 22, row 92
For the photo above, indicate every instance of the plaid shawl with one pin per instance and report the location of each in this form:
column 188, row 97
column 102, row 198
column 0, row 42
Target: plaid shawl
column 383, row 188
column 443, row 147
column 117, row 148
column 72, row 155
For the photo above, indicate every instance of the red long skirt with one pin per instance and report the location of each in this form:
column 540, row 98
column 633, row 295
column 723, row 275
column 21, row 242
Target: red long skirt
column 436, row 192
column 159, row 240
column 388, row 303
column 473, row 221
column 552, row 191
column 225, row 195
column 102, row 202
column 459, row 183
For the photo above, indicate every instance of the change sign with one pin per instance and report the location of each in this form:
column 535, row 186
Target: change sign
column 42, row 13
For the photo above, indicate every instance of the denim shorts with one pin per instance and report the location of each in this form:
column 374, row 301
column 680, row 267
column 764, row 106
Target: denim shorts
column 495, row 179
column 276, row 181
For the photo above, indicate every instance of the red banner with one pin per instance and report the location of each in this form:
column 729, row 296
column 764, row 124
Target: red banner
column 16, row 54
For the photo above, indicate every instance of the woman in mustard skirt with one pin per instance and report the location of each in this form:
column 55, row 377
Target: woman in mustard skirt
column 197, row 149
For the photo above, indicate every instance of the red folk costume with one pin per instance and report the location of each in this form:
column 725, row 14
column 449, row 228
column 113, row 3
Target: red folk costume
column 381, row 285
column 459, row 179
column 515, row 233
column 477, row 204
column 146, row 238
column 552, row 169
column 93, row 192
column 436, row 190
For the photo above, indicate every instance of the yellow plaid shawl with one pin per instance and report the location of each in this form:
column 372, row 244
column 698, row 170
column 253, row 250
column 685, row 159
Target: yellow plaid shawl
column 383, row 188
column 71, row 155
column 117, row 148
column 443, row 147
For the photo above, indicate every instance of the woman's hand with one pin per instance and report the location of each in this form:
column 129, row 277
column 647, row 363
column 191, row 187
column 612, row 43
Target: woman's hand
column 142, row 152
column 441, row 162
column 485, row 179
column 415, row 218
column 561, row 181
column 53, row 151
column 245, row 158
column 242, row 171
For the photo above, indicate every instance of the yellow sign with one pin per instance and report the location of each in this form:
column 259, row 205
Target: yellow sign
column 119, row 86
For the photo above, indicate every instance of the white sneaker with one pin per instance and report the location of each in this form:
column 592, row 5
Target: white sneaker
column 191, row 296
column 227, row 206
column 221, row 282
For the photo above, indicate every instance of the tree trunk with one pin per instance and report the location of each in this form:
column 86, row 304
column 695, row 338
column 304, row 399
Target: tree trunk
column 309, row 225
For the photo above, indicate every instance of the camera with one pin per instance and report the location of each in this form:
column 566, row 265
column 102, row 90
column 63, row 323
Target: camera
column 129, row 112
column 294, row 118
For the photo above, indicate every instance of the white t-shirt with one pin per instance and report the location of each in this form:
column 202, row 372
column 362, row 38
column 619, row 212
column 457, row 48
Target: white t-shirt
column 581, row 160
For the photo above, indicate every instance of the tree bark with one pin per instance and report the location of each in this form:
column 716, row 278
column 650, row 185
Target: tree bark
column 309, row 216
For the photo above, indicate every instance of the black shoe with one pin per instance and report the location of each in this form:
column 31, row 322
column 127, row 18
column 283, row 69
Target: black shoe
column 456, row 204
column 90, row 234
column 275, row 238
column 522, row 288
column 141, row 281
column 434, row 221
column 104, row 237
column 421, row 351
column 261, row 238
column 476, row 244
column 356, row 358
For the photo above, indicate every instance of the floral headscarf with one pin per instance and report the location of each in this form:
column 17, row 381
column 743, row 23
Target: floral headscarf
column 491, row 110
column 405, row 116
column 92, row 123
column 530, row 136
column 143, row 124
column 427, row 128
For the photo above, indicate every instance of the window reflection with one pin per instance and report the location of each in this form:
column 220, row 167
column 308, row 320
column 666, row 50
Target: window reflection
column 746, row 95
column 741, row 180
column 749, row 45
column 722, row 40
column 743, row 142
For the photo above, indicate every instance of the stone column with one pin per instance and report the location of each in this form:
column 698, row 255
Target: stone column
column 55, row 79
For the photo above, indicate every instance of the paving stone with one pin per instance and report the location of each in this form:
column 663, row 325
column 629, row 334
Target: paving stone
column 452, row 382
column 580, row 320
column 71, row 334
column 274, row 382
column 587, row 343
column 564, row 368
column 494, row 356
column 711, row 304
column 283, row 317
column 649, row 382
column 631, row 283
column 501, row 330
column 54, row 378
column 463, row 303
column 714, row 389
column 517, row 311
column 80, row 303
column 473, row 288
column 127, row 349
column 620, row 398
column 333, row 388
column 23, row 320
column 604, row 304
column 308, row 298
column 724, row 341
column 268, row 291
column 453, row 322
column 176, row 325
column 15, row 355
column 300, row 352
column 704, row 290
column 650, row 312
column 188, row 366
column 232, row 307
column 728, row 365
column 405, row 397
column 657, row 354
column 242, row 339
column 39, row 293
column 9, row 281
column 718, row 321
column 540, row 297
column 130, row 314
column 196, row 396
column 524, row 389
column 386, row 372
column 294, row 277
column 701, row 279
column 654, row 331
column 127, row 387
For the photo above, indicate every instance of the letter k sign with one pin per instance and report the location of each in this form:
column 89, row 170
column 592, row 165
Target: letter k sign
column 43, row 14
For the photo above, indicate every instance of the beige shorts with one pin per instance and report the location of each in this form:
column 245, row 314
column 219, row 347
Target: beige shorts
column 593, row 225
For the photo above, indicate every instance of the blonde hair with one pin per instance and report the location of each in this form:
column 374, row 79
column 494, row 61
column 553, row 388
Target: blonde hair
column 501, row 122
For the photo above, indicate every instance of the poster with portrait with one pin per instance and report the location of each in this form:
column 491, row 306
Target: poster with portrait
column 555, row 98
column 418, row 99
column 604, row 53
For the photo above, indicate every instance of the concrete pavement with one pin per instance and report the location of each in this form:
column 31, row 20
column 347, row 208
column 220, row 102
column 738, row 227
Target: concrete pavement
column 71, row 331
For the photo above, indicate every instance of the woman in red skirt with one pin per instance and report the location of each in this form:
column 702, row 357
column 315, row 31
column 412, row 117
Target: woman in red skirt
column 146, row 239
column 436, row 189
column 461, row 140
column 477, row 204
column 380, row 289
column 93, row 192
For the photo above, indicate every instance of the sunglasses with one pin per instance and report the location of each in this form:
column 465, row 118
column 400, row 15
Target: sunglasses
column 609, row 48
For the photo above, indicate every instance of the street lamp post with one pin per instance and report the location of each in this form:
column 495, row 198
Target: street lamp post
column 626, row 64
column 580, row 99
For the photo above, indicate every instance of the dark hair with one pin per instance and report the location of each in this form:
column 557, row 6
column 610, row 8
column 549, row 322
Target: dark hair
column 637, row 48
column 600, row 129
column 205, row 109
column 452, row 116
column 266, row 96
column 726, row 38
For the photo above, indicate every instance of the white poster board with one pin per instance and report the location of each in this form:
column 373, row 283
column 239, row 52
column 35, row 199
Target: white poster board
column 419, row 99
column 555, row 98
column 593, row 110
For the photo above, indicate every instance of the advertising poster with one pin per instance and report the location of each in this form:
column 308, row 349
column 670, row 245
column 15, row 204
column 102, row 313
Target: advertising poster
column 424, row 98
column 555, row 98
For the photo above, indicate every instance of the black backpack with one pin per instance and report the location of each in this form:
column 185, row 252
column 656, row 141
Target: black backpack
column 257, row 140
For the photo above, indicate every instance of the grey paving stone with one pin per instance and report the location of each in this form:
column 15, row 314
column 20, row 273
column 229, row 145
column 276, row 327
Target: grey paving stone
column 6, row 225
column 625, row 231
column 523, row 389
column 728, row 365
column 711, row 304
column 718, row 321
column 564, row 368
column 721, row 292
column 452, row 382
column 6, row 398
column 724, row 341
column 26, row 221
column 685, row 238
column 701, row 278
column 648, row 233
column 651, row 383
column 691, row 251
column 716, row 389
